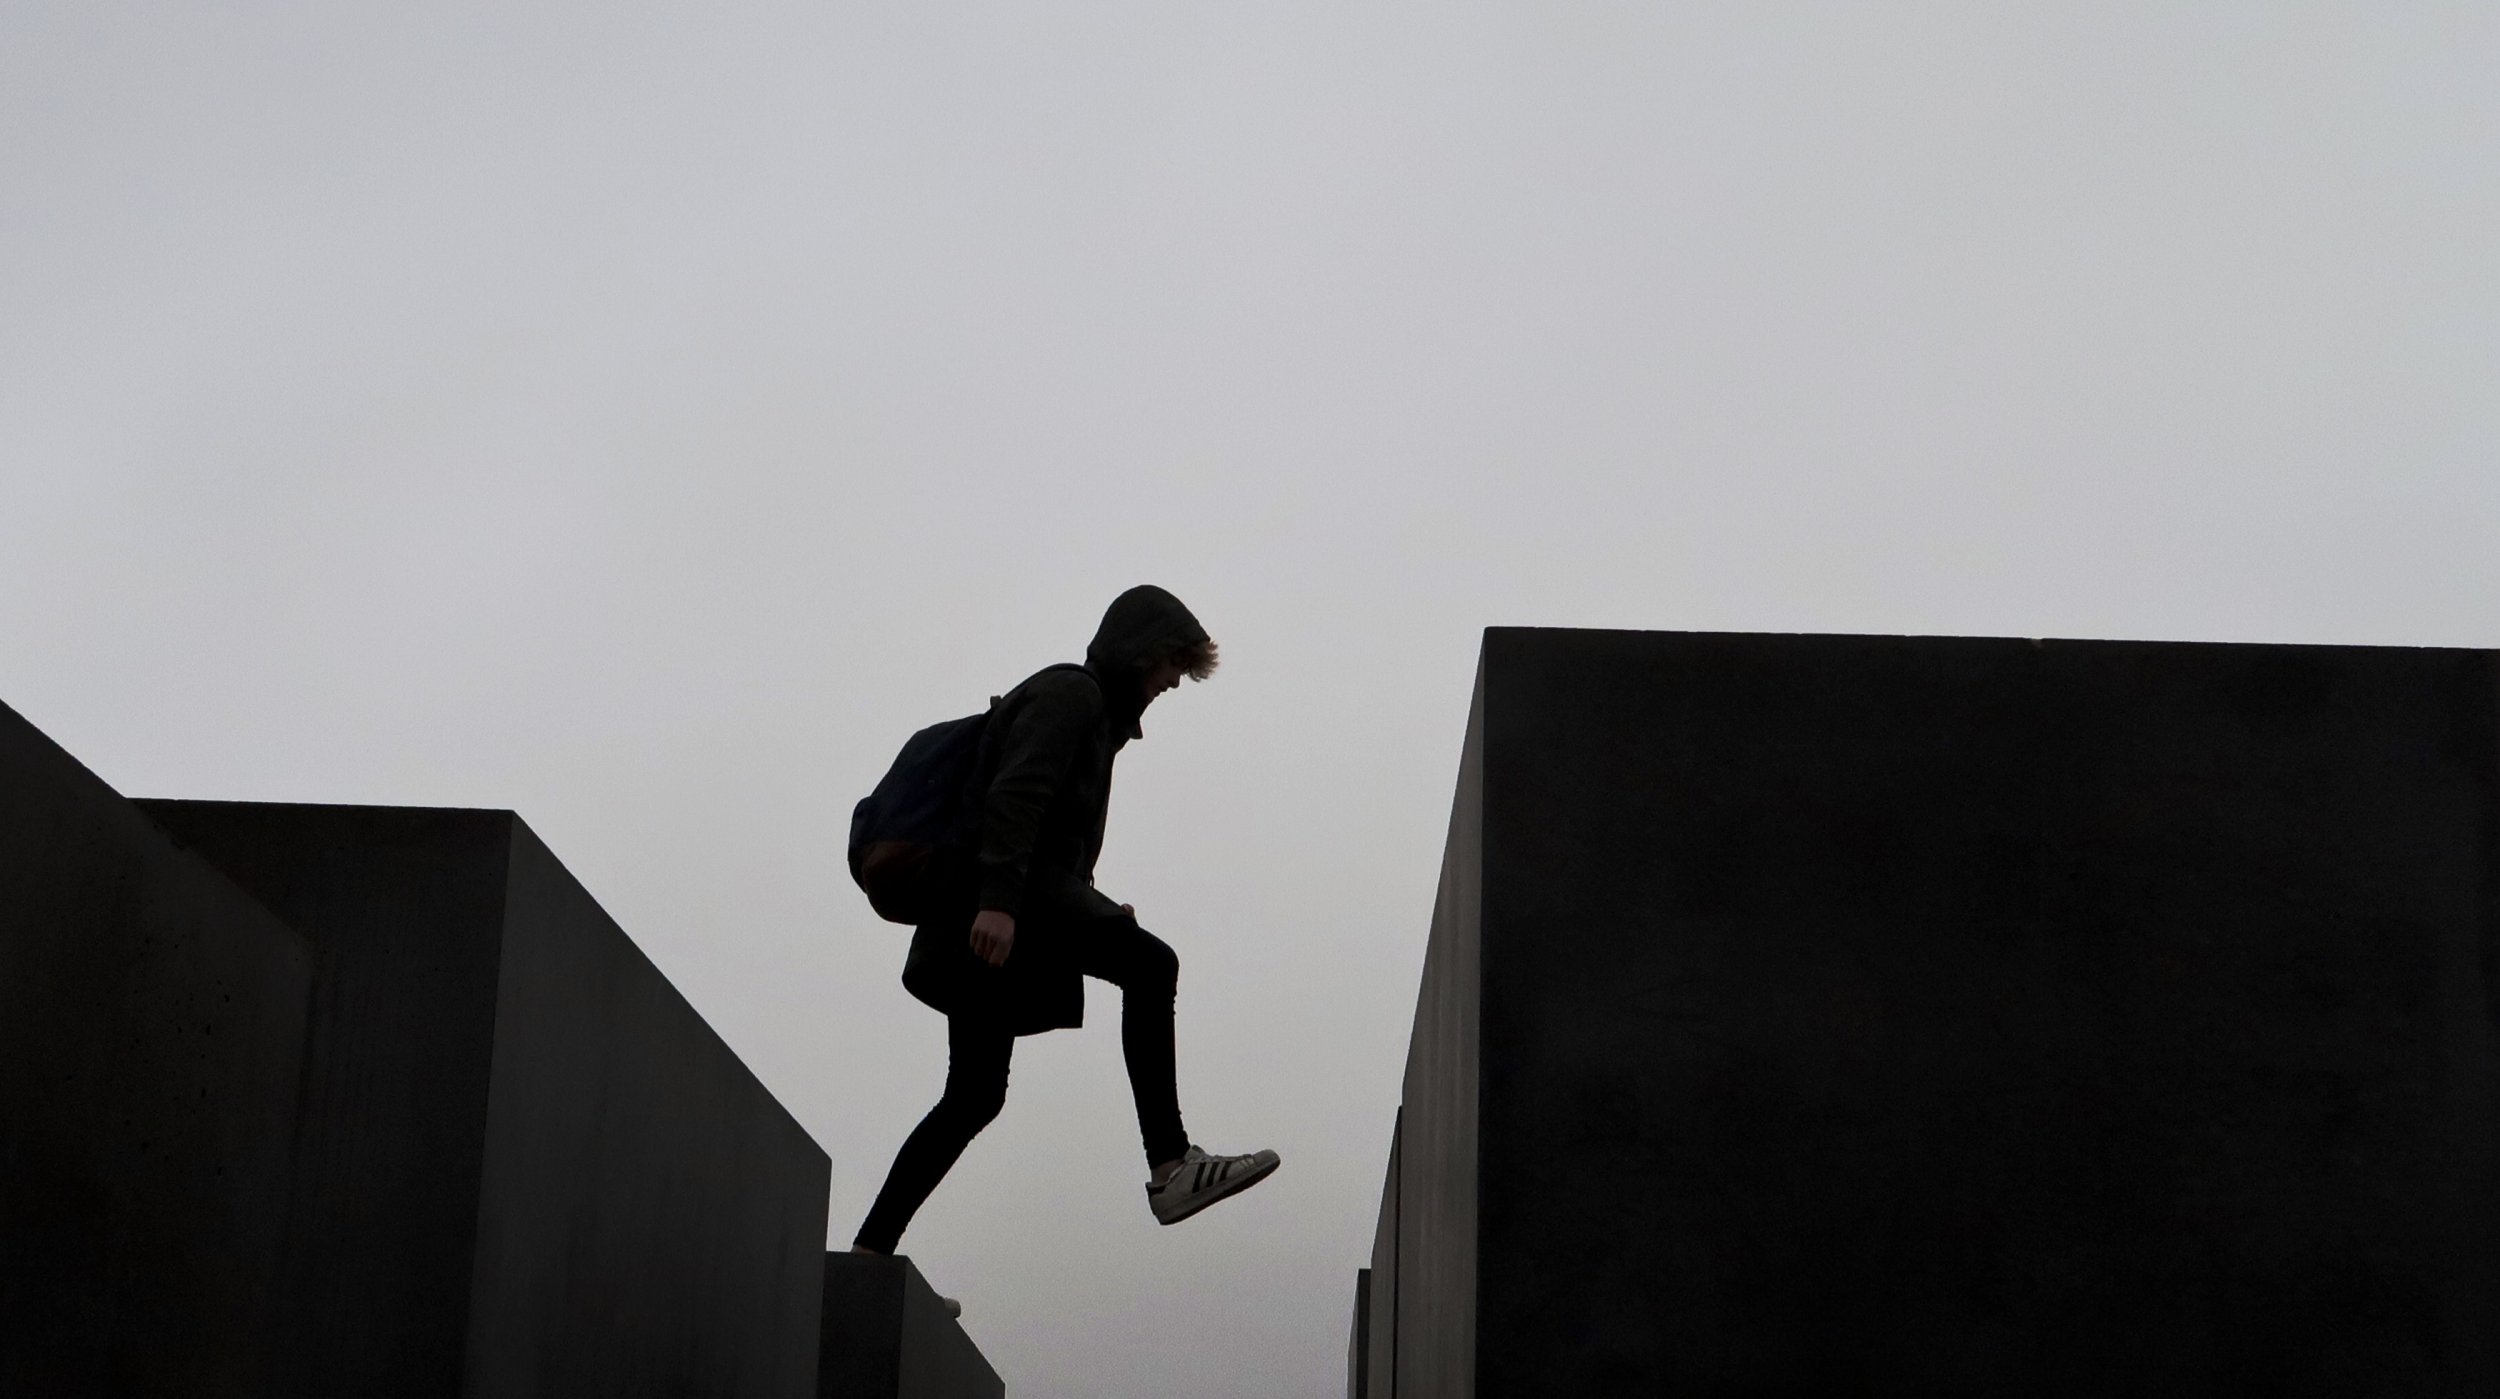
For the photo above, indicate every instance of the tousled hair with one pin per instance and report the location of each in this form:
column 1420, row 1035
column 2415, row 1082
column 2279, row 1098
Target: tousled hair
column 1198, row 659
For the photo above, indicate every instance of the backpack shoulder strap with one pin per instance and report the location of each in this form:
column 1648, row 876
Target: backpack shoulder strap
column 999, row 702
column 1002, row 708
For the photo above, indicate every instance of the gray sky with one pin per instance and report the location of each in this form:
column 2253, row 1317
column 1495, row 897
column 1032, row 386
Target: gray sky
column 645, row 416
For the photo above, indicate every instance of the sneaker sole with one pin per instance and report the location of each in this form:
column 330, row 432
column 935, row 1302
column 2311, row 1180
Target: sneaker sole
column 1226, row 1192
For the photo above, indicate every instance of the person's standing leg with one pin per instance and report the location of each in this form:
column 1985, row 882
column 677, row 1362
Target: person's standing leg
column 1147, row 972
column 977, row 1052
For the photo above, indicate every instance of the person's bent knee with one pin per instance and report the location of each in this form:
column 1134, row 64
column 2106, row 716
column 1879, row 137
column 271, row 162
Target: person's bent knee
column 1158, row 971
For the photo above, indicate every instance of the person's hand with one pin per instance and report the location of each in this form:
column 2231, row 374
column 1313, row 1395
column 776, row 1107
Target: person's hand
column 1130, row 910
column 993, row 936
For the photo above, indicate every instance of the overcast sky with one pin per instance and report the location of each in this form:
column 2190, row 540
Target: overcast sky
column 645, row 417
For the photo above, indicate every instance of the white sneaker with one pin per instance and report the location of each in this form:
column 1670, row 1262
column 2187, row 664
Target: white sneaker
column 1202, row 1180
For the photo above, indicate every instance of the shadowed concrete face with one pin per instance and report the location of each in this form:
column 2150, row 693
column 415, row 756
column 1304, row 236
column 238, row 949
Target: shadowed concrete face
column 1358, row 1337
column 528, row 1165
column 325, row 1100
column 1962, row 1017
column 887, row 1336
column 151, row 1036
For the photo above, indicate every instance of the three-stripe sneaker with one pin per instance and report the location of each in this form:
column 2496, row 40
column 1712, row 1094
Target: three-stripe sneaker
column 1202, row 1180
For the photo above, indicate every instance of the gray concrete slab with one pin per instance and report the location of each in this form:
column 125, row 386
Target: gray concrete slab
column 1358, row 1340
column 1439, row 1124
column 528, row 1167
column 1380, row 1344
column 1967, row 1016
column 405, row 908
column 626, row 1144
column 151, row 1028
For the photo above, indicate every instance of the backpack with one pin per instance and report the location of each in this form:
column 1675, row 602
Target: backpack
column 922, row 810
column 898, row 830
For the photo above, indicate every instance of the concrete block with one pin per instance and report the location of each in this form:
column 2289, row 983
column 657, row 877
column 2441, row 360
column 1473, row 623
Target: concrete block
column 1380, row 1342
column 1976, row 1017
column 151, row 1030
column 525, row 1166
column 886, row 1335
column 1358, row 1349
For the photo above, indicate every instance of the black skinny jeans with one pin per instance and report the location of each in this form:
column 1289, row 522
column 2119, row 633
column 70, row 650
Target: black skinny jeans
column 1112, row 949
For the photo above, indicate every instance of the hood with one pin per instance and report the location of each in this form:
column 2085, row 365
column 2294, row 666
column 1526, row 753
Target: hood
column 1142, row 623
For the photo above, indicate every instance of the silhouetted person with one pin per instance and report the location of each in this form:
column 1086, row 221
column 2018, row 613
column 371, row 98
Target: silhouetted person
column 1025, row 924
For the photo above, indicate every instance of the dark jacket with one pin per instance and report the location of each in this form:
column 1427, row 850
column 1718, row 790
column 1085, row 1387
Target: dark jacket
column 1045, row 792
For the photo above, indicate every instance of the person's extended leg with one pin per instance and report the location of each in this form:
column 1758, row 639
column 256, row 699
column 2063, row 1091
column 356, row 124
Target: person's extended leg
column 1183, row 1179
column 976, row 1087
column 1148, row 973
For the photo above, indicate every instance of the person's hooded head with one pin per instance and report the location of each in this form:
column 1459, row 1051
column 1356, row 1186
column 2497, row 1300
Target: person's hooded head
column 1146, row 643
